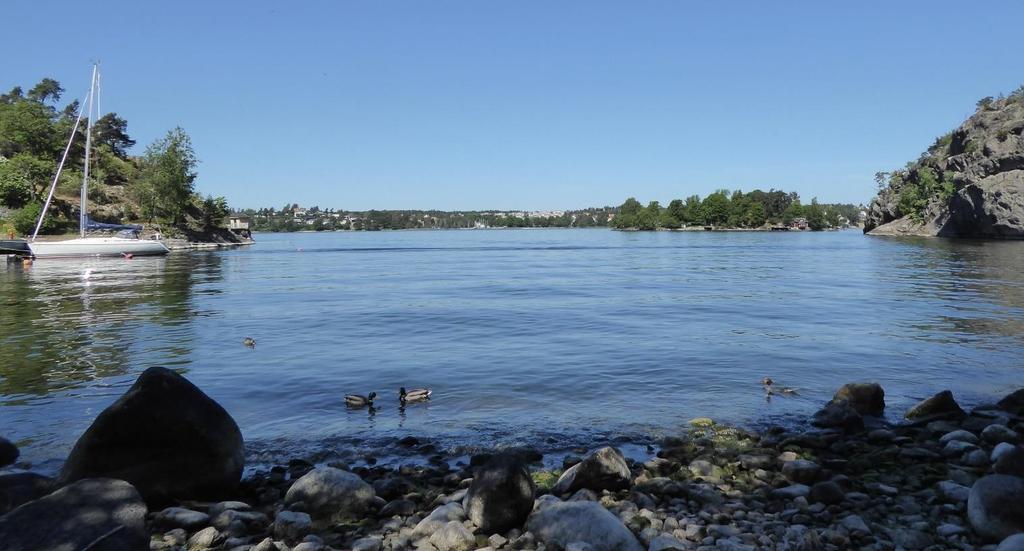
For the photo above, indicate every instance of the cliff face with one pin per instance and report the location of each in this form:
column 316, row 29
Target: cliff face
column 970, row 183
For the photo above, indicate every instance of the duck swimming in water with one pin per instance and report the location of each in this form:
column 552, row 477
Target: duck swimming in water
column 770, row 390
column 359, row 401
column 414, row 395
column 249, row 341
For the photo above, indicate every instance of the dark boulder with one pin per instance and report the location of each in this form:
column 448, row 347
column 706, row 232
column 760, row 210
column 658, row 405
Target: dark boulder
column 865, row 398
column 1013, row 403
column 995, row 507
column 19, row 488
column 501, row 495
column 605, row 469
column 839, row 414
column 8, row 452
column 826, row 492
column 1010, row 462
column 96, row 514
column 940, row 406
column 164, row 436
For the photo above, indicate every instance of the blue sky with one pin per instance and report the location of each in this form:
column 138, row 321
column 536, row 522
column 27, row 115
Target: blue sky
column 527, row 104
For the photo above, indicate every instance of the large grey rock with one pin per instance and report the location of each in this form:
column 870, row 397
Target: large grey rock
column 18, row 488
column 995, row 508
column 560, row 523
column 107, row 514
column 1012, row 543
column 292, row 526
column 840, row 415
column 666, row 542
column 940, row 406
column 500, row 496
column 1010, row 461
column 1013, row 403
column 865, row 398
column 605, row 469
column 996, row 433
column 453, row 536
column 331, row 494
column 165, row 437
column 8, row 452
column 438, row 518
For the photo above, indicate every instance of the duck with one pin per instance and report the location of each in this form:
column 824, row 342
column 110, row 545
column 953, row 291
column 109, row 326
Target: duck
column 770, row 389
column 249, row 341
column 359, row 401
column 414, row 395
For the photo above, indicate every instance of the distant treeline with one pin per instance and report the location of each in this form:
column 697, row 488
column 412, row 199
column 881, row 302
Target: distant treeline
column 293, row 218
column 736, row 209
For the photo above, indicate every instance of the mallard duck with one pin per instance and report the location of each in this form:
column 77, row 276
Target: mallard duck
column 359, row 401
column 767, row 381
column 414, row 395
column 250, row 342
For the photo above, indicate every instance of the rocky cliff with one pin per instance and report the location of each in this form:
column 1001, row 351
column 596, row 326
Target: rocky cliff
column 970, row 182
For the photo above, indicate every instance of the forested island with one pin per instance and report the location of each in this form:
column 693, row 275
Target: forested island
column 156, row 188
column 737, row 210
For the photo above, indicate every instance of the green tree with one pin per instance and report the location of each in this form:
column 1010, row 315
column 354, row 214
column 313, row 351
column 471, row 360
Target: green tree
column 167, row 177
column 715, row 209
column 47, row 89
column 815, row 216
column 112, row 131
column 755, row 216
column 628, row 214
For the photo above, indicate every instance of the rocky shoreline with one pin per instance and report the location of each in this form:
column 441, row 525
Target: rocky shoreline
column 161, row 469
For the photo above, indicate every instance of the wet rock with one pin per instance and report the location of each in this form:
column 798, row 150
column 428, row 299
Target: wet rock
column 995, row 508
column 975, row 458
column 856, row 525
column 8, row 452
column 560, row 523
column 605, row 469
column 957, row 448
column 840, row 415
column 19, row 488
column 180, row 517
column 1013, row 403
column 292, row 526
column 791, row 492
column 103, row 513
column 1010, row 461
column 801, row 471
column 331, row 494
column 166, row 438
column 940, row 406
column 958, row 435
column 995, row 434
column 453, row 536
column 207, row 538
column 865, row 398
column 438, row 518
column 1012, row 543
column 827, row 492
column 500, row 496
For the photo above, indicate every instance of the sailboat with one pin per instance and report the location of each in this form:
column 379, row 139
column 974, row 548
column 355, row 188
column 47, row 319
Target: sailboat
column 124, row 243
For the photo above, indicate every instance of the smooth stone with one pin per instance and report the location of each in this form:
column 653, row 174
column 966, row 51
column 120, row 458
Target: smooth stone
column 331, row 494
column 180, row 517
column 19, row 488
column 292, row 526
column 952, row 492
column 207, row 538
column 561, row 523
column 941, row 405
column 1012, row 543
column 605, row 469
column 855, row 524
column 865, row 398
column 666, row 542
column 78, row 516
column 956, row 448
column 911, row 539
column 221, row 506
column 398, row 507
column 995, row 508
column 975, row 458
column 1013, row 403
column 995, row 434
column 500, row 496
column 1010, row 462
column 947, row 530
column 438, row 518
column 839, row 415
column 827, row 492
column 791, row 492
column 999, row 450
column 165, row 437
column 959, row 435
column 369, row 543
column 801, row 471
column 453, row 536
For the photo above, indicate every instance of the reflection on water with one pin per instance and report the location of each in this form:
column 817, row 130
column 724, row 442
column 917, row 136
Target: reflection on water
column 548, row 338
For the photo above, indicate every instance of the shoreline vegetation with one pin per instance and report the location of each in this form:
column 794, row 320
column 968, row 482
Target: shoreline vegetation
column 156, row 188
column 942, row 478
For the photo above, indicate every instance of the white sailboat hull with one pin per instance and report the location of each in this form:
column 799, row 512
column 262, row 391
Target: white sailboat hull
column 96, row 246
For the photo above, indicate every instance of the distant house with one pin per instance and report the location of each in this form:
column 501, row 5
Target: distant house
column 239, row 224
column 799, row 223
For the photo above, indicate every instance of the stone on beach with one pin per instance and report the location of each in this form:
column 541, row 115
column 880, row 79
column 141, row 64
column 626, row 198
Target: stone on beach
column 839, row 414
column 995, row 508
column 453, row 536
column 103, row 513
column 18, row 488
column 166, row 437
column 939, row 406
column 331, row 494
column 605, row 469
column 1013, row 403
column 865, row 398
column 500, row 496
column 560, row 523
column 8, row 452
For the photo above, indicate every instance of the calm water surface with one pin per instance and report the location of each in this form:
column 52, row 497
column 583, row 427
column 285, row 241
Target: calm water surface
column 553, row 338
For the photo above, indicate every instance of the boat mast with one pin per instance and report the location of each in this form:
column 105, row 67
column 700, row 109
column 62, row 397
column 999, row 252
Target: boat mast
column 83, row 217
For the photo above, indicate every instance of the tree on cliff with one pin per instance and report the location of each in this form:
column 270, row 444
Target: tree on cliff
column 166, row 177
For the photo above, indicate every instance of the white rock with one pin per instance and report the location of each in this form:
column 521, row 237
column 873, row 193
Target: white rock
column 331, row 493
column 438, row 518
column 453, row 536
column 559, row 524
